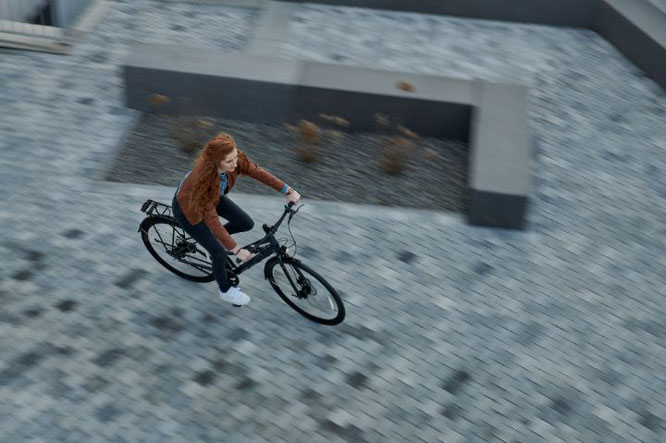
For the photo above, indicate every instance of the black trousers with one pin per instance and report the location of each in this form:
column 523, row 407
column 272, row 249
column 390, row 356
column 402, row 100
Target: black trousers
column 237, row 221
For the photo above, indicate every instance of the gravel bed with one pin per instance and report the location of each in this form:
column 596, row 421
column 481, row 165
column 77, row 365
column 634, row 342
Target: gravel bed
column 349, row 167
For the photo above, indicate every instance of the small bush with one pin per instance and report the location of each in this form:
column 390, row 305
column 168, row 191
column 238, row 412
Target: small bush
column 310, row 141
column 397, row 144
column 312, row 138
column 395, row 155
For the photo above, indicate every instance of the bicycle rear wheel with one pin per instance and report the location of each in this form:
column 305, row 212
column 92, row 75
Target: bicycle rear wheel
column 305, row 291
column 174, row 249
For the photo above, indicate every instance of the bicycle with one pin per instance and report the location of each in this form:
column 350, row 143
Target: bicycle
column 294, row 282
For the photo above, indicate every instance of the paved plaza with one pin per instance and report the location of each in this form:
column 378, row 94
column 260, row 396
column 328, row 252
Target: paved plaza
column 453, row 333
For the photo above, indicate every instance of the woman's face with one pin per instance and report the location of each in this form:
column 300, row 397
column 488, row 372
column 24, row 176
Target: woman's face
column 228, row 164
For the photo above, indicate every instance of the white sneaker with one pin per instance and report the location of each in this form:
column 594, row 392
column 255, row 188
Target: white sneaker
column 235, row 296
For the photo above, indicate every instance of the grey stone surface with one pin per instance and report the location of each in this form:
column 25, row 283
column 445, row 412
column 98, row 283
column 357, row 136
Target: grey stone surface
column 559, row 329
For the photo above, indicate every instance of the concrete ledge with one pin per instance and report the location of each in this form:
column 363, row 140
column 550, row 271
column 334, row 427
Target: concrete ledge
column 500, row 140
column 438, row 106
column 500, row 152
column 638, row 30
column 215, row 63
column 271, row 90
column 228, row 85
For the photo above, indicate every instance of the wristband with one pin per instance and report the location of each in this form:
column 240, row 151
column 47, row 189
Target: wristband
column 285, row 188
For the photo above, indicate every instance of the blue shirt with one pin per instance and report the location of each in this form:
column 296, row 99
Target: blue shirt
column 223, row 182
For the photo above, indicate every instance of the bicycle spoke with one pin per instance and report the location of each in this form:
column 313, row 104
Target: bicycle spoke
column 294, row 286
column 198, row 263
column 163, row 242
column 305, row 291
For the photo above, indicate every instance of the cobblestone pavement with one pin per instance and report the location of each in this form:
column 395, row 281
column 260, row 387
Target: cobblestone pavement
column 454, row 333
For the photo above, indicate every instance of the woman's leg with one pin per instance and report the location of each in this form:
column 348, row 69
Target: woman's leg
column 238, row 220
column 203, row 235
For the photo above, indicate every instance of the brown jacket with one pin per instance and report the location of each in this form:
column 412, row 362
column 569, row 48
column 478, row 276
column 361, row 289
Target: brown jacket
column 244, row 166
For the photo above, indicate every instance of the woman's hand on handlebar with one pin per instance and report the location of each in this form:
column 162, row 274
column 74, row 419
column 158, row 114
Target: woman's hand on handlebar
column 293, row 196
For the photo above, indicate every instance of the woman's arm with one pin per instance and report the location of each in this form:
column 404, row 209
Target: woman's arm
column 248, row 167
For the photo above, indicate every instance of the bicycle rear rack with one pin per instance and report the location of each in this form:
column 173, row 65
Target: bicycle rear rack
column 154, row 208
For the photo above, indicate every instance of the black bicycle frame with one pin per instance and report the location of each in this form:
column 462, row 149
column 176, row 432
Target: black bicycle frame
column 265, row 247
column 272, row 245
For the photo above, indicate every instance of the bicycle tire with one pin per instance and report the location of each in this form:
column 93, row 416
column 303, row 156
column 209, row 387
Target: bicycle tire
column 152, row 222
column 273, row 268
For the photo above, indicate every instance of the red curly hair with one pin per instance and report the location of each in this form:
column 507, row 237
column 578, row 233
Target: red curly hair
column 207, row 187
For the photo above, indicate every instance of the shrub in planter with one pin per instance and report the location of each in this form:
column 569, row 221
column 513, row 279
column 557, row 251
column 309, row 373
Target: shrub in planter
column 397, row 144
column 396, row 151
column 311, row 137
column 310, row 141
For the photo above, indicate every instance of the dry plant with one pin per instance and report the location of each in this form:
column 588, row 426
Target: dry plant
column 335, row 119
column 310, row 141
column 157, row 100
column 396, row 151
column 312, row 137
column 406, row 86
column 397, row 145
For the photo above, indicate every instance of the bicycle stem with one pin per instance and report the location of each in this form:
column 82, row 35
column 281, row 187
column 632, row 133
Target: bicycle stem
column 273, row 229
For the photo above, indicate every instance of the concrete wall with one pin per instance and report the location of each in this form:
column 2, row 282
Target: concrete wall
column 273, row 90
column 500, row 154
column 638, row 30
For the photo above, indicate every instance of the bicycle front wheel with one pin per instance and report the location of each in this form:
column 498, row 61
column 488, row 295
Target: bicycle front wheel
column 174, row 249
column 305, row 291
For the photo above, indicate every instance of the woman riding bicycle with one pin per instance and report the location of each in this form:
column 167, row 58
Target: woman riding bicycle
column 201, row 198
